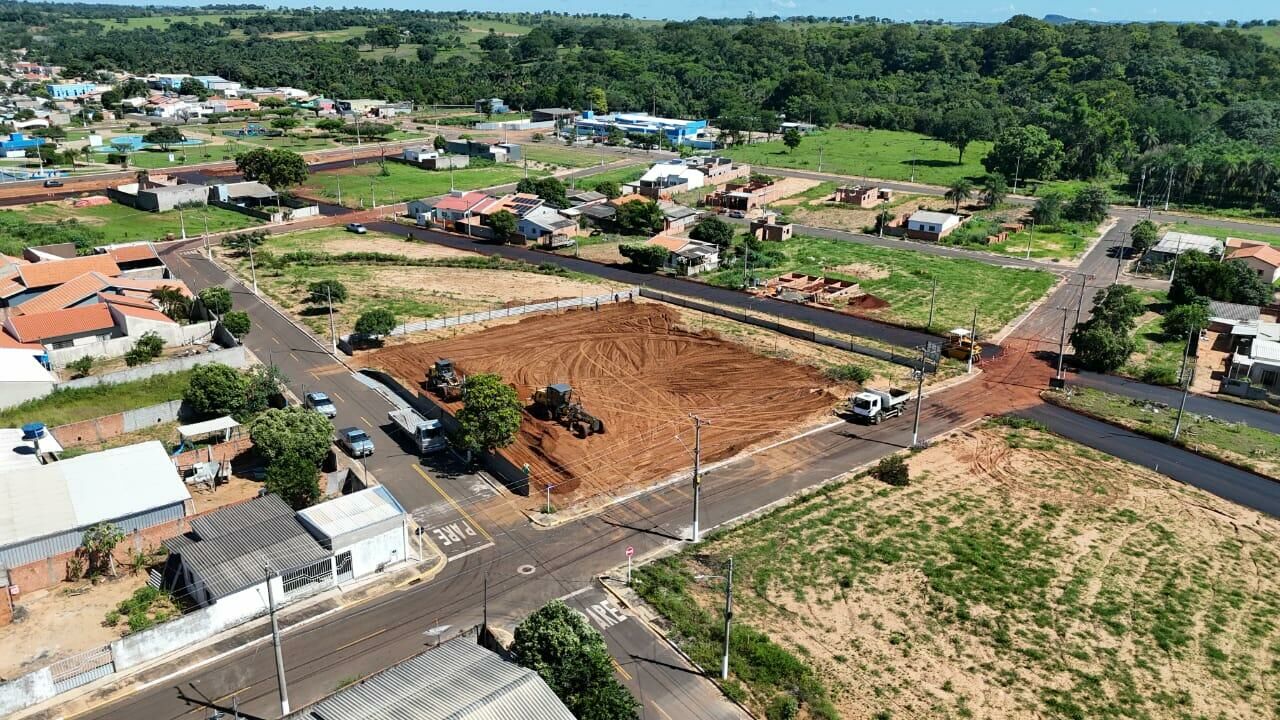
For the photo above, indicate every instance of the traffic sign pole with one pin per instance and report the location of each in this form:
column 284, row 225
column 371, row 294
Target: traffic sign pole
column 630, row 551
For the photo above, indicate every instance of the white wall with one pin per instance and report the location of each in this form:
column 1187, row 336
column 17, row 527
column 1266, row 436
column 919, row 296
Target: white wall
column 16, row 393
column 366, row 555
column 174, row 336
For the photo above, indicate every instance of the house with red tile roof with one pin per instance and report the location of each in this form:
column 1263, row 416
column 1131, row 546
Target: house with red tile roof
column 1261, row 258
column 63, row 328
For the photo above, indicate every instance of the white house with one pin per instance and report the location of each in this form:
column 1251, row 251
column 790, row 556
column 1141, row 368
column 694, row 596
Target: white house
column 545, row 224
column 933, row 225
column 366, row 531
column 1261, row 258
column 688, row 257
column 673, row 176
column 22, row 377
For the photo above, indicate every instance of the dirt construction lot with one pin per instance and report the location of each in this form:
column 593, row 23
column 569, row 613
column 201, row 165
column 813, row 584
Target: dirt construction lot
column 642, row 375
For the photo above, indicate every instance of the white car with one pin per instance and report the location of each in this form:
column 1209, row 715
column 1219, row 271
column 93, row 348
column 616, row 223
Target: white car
column 739, row 214
column 321, row 403
column 357, row 228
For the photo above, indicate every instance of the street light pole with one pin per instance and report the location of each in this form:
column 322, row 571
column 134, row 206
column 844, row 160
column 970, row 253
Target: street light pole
column 1124, row 245
column 275, row 638
column 933, row 301
column 253, row 268
column 333, row 337
column 915, row 428
column 728, row 619
column 1185, row 377
column 697, row 476
column 1062, row 342
column 1031, row 234
column 973, row 341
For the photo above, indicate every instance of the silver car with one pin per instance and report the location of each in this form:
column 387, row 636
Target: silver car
column 321, row 403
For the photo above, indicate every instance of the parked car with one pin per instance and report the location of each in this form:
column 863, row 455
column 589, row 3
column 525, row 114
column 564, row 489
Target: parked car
column 356, row 442
column 357, row 228
column 737, row 214
column 321, row 403
column 52, row 183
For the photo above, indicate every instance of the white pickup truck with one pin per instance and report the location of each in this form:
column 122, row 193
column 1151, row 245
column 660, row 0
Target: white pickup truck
column 872, row 406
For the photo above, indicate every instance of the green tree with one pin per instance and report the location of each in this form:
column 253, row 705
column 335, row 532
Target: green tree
column 214, row 390
column 81, row 366
column 99, row 543
column 1099, row 348
column 276, row 168
column 791, row 137
column 330, row 124
column 892, row 470
column 192, row 86
column 1179, row 322
column 639, row 217
column 961, row 126
column 597, row 100
column 1048, row 210
column 1117, row 307
column 147, row 348
column 322, row 292
column 173, row 302
column 1143, row 235
column 285, row 123
column 713, row 230
column 376, row 322
column 959, row 191
column 644, row 257
column 548, row 188
column 295, row 429
column 1200, row 275
column 994, row 189
column 216, row 299
column 295, row 478
column 272, row 102
column 559, row 644
column 237, row 323
column 609, row 189
column 439, row 143
column 490, row 414
column 1090, row 204
column 165, row 136
column 504, row 224
column 1023, row 152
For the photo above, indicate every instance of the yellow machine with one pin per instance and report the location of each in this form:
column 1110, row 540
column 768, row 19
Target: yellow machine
column 555, row 402
column 960, row 344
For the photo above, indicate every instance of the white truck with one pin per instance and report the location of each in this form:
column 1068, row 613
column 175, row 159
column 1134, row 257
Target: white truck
column 872, row 406
column 427, row 435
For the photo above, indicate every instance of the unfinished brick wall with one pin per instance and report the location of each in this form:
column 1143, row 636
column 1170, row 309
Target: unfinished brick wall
column 89, row 432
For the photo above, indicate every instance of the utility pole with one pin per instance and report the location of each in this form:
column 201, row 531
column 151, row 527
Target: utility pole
column 182, row 222
column 275, row 638
column 208, row 253
column 1124, row 245
column 339, row 179
column 1017, row 169
column 1084, row 280
column 728, row 618
column 915, row 428
column 1185, row 377
column 1062, row 342
column 1142, row 183
column 451, row 188
column 973, row 341
column 1031, row 234
column 697, row 475
column 373, row 194
column 1168, row 187
column 547, row 509
column 820, row 149
column 253, row 269
column 333, row 337
column 933, row 301
column 486, row 600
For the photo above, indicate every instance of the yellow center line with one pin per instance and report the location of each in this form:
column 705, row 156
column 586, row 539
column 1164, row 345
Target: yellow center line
column 355, row 642
column 455, row 505
column 295, row 358
column 337, row 396
column 366, row 422
column 625, row 675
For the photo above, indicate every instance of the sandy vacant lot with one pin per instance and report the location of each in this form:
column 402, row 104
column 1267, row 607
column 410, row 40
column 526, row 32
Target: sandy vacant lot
column 1019, row 575
column 633, row 367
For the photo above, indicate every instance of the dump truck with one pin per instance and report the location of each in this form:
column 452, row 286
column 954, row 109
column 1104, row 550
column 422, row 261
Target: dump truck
column 555, row 402
column 873, row 406
column 960, row 344
column 444, row 379
column 427, row 435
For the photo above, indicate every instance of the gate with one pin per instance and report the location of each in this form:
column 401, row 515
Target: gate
column 344, row 572
column 82, row 669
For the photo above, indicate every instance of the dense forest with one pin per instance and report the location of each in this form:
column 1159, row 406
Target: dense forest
column 1184, row 109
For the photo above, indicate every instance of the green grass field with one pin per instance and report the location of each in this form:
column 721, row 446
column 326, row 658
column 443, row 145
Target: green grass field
column 1018, row 575
column 620, row 175
column 884, row 154
column 561, row 155
column 404, row 182
column 122, row 224
column 1259, row 450
column 74, row 405
column 1157, row 357
column 156, row 22
column 1268, row 35
column 904, row 279
column 1223, row 233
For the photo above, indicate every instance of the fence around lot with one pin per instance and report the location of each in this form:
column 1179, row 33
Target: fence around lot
column 904, row 357
column 345, row 343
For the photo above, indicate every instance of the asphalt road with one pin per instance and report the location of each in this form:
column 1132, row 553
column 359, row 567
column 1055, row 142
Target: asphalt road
column 1199, row 404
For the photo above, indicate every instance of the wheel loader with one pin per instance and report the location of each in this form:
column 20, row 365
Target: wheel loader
column 555, row 402
column 444, row 379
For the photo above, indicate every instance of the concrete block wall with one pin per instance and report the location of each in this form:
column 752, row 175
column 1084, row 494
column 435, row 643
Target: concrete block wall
column 235, row 357
column 25, row 691
column 88, row 432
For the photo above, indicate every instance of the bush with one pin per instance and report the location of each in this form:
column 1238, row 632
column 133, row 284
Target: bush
column 237, row 323
column 643, row 256
column 147, row 348
column 892, row 471
column 376, row 322
column 81, row 366
column 1159, row 375
column 849, row 373
column 783, row 707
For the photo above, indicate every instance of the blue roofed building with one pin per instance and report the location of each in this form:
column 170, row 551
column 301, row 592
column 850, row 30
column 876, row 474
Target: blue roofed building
column 17, row 144
column 70, row 91
column 678, row 132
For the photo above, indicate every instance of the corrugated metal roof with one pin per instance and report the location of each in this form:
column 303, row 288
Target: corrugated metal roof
column 458, row 680
column 227, row 550
column 86, row 490
column 1234, row 311
column 353, row 512
column 1176, row 242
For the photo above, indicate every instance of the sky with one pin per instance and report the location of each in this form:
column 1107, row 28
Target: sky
column 977, row 11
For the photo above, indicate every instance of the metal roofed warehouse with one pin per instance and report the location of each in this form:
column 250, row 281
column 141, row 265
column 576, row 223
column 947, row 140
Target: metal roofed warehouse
column 458, row 680
column 45, row 510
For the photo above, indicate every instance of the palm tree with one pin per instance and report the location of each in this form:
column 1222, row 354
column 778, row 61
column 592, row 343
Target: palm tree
column 1150, row 138
column 172, row 302
column 994, row 189
column 959, row 191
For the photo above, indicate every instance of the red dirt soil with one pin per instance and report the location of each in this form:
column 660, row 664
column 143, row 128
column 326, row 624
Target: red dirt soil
column 631, row 366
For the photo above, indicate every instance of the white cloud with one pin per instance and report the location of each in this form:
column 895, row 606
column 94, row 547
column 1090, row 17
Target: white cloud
column 788, row 4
